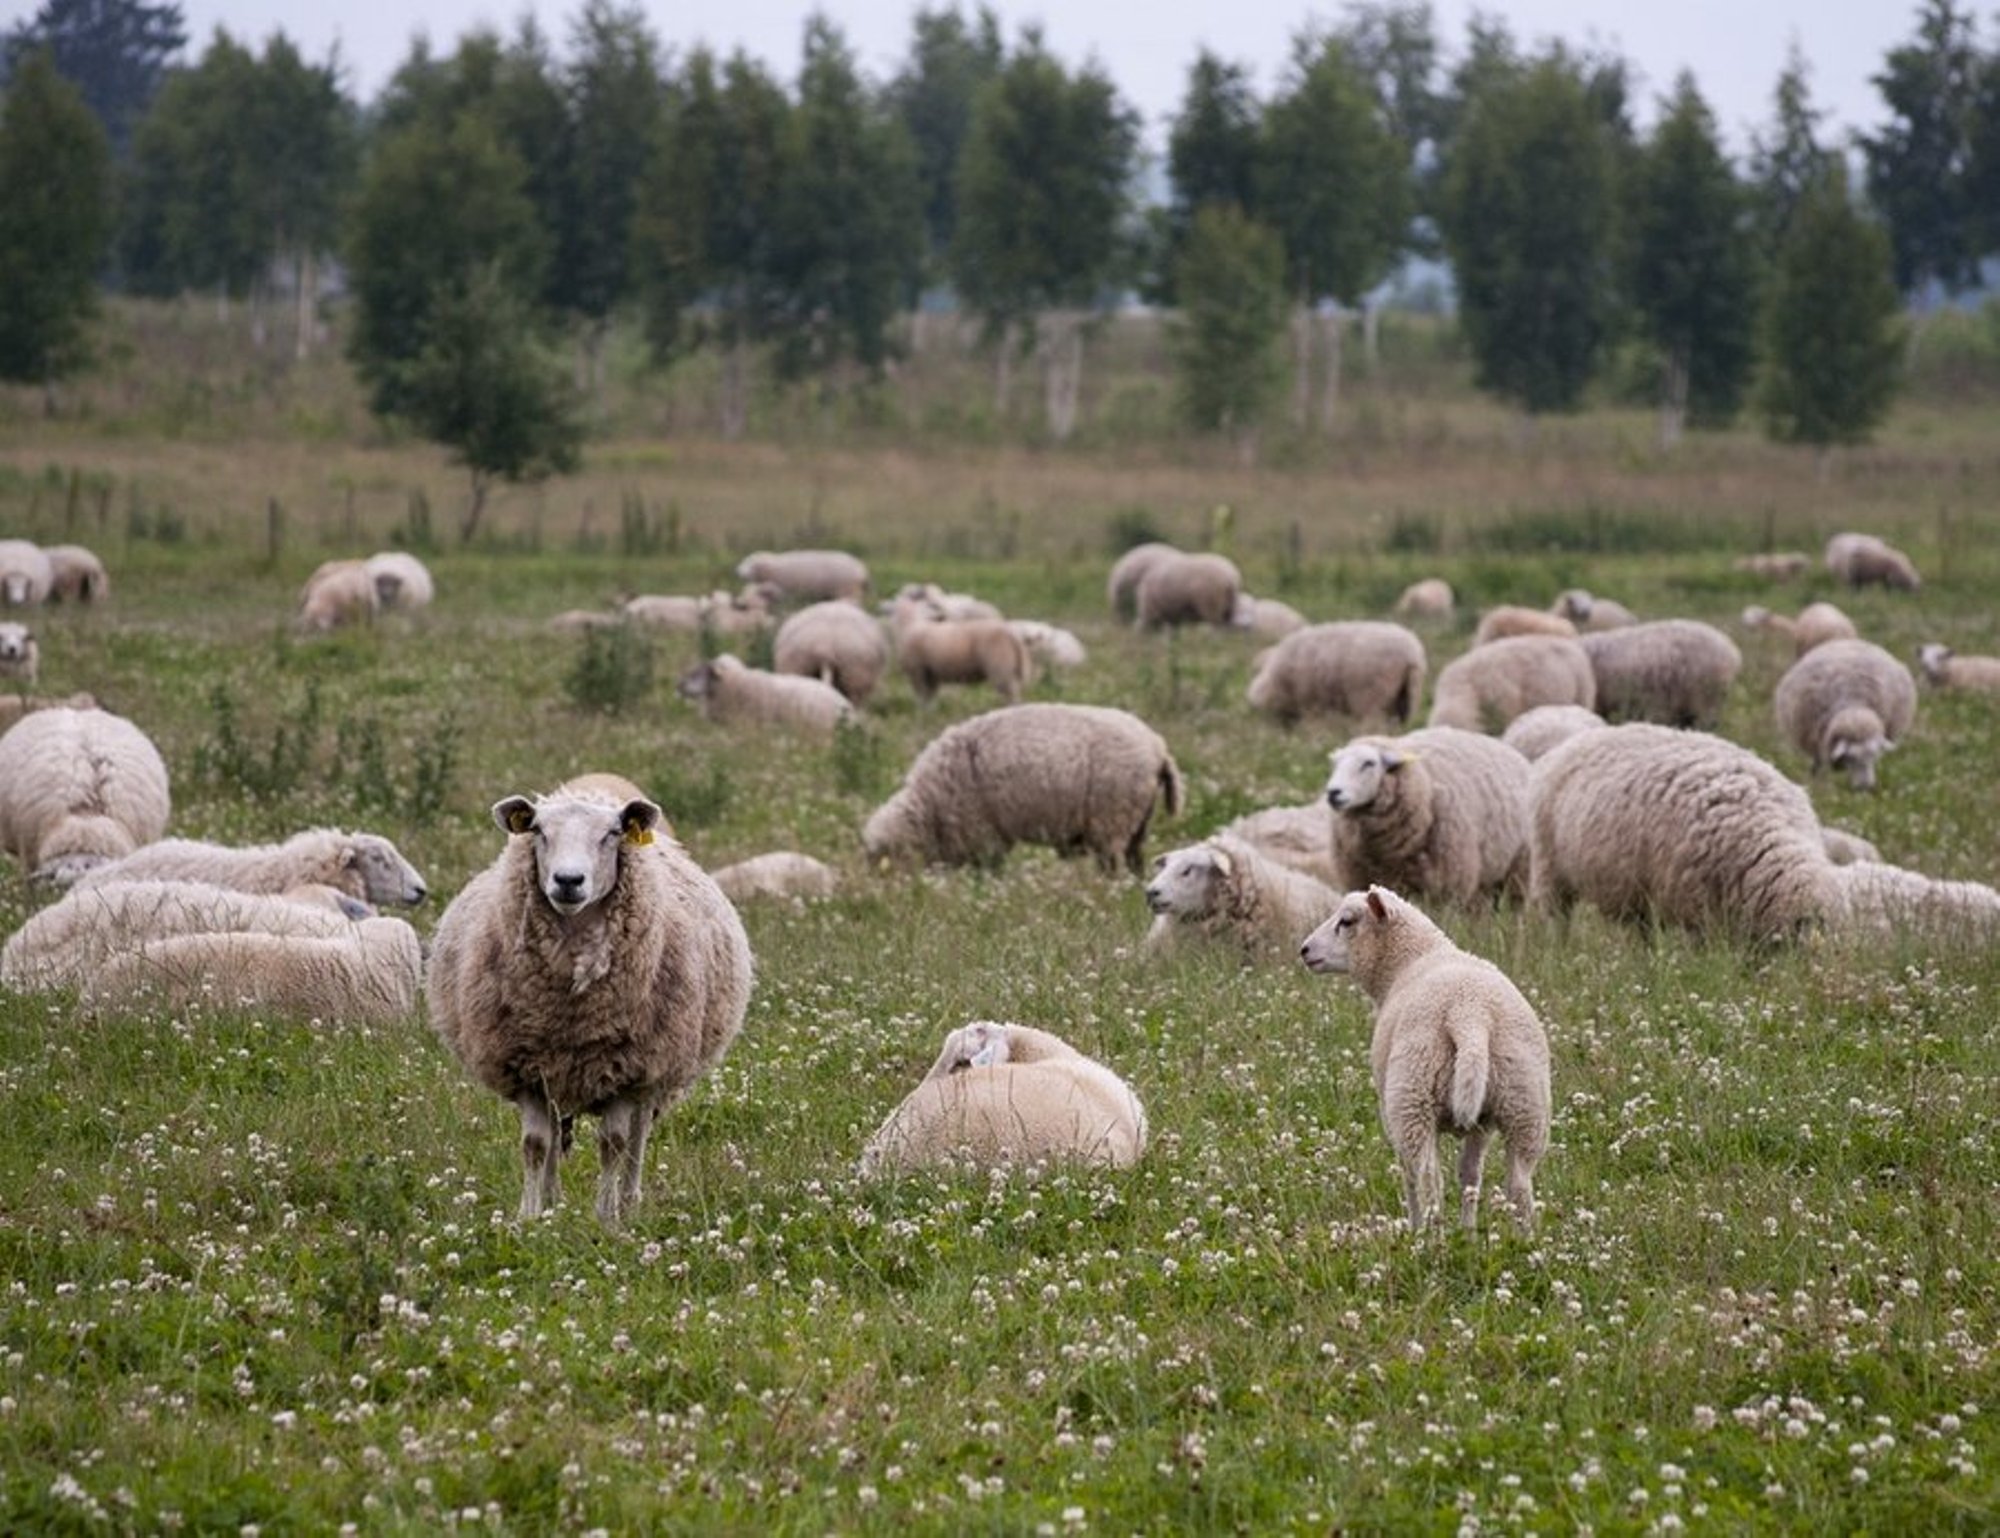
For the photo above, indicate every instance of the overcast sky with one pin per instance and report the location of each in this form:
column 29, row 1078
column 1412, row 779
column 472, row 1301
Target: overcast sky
column 1736, row 48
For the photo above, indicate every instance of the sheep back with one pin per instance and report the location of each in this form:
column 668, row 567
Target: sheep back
column 1487, row 687
column 369, row 975
column 838, row 643
column 77, row 788
column 1356, row 668
column 1675, row 672
column 1180, row 589
column 1129, row 570
column 1455, row 824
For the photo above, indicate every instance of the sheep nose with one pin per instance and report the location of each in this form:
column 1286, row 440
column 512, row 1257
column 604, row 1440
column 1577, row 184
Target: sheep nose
column 418, row 891
column 1334, row 798
column 569, row 884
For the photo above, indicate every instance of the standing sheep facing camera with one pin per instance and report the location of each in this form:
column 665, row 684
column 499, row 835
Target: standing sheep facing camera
column 1228, row 890
column 1355, row 668
column 728, row 692
column 76, row 575
column 20, row 657
column 1076, row 778
column 1002, row 1094
column 25, row 574
column 1487, row 687
column 402, row 582
column 78, row 788
column 838, row 643
column 592, row 969
column 807, row 576
column 1676, row 672
column 1188, row 590
column 1844, row 705
column 1862, row 559
column 1440, row 811
column 1456, row 1049
column 365, row 866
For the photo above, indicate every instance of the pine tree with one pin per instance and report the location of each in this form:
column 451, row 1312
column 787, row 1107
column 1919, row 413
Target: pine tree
column 1787, row 161
column 1917, row 164
column 115, row 52
column 1212, row 153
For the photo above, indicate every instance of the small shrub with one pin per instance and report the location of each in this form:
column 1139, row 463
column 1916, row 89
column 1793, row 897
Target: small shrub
column 692, row 798
column 1131, row 526
column 265, row 772
column 613, row 671
column 860, row 760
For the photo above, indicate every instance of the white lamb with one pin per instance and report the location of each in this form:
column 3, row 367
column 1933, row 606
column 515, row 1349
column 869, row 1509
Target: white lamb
column 1457, row 1050
column 366, row 866
column 781, row 873
column 25, row 574
column 1844, row 704
column 728, row 692
column 1002, row 1094
column 1943, row 668
column 402, row 582
column 1227, row 890
column 78, row 788
column 20, row 657
column 592, row 969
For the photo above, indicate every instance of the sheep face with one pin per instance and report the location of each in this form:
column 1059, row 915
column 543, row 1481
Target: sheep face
column 577, row 843
column 1330, row 948
column 1359, row 772
column 982, row 1044
column 385, row 875
column 14, row 588
column 388, row 588
column 15, row 643
column 1933, row 657
column 1575, row 606
column 698, row 682
column 1853, row 742
column 1187, row 882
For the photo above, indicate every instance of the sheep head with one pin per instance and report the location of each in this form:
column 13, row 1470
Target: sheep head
column 982, row 1044
column 1934, row 657
column 578, row 841
column 1330, row 948
column 1360, row 770
column 1185, row 880
column 386, row 877
column 1853, row 740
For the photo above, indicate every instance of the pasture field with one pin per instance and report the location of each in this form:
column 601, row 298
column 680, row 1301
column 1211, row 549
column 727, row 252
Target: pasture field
column 261, row 1276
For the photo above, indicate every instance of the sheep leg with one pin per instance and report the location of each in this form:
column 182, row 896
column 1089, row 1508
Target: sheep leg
column 621, row 1141
column 1422, row 1182
column 1469, row 1159
column 1522, row 1154
column 635, row 1163
column 541, row 1147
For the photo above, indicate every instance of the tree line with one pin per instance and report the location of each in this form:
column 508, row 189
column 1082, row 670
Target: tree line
column 510, row 199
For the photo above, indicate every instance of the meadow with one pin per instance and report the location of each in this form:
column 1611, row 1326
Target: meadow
column 262, row 1276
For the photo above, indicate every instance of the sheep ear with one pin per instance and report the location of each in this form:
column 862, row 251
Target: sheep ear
column 514, row 815
column 638, row 821
column 1222, row 861
column 1375, row 904
column 1392, row 760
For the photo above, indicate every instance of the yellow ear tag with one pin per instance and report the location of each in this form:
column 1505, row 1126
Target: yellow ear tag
column 638, row 838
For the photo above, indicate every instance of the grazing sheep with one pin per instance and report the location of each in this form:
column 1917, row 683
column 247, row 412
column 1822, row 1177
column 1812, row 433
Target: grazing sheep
column 402, row 582
column 1226, row 889
column 1861, row 559
column 1122, row 588
column 577, row 621
column 591, row 969
column 1271, row 617
column 1300, row 837
column 1775, row 565
column 1428, row 599
column 1534, row 732
column 1487, row 687
column 1676, row 672
column 807, row 576
column 338, row 593
column 1509, row 619
column 1457, row 1049
column 781, row 873
column 1817, row 623
column 1050, row 645
column 838, row 643
column 15, row 706
column 25, row 574
column 1440, row 811
column 20, row 657
column 371, row 975
column 932, row 651
column 1073, row 777
column 1945, row 669
column 1182, row 589
column 76, row 575
column 1588, row 612
column 722, row 612
column 1845, row 704
column 1003, row 1093
column 78, row 788
column 1844, row 848
column 366, row 866
column 945, row 605
column 1356, row 668
column 1657, row 825
column 730, row 693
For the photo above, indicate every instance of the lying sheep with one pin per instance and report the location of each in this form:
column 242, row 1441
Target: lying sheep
column 1587, row 612
column 20, row 656
column 1355, row 668
column 932, row 651
column 15, row 706
column 1440, row 811
column 1049, row 645
column 781, row 873
column 1816, row 624
column 1003, row 1093
column 402, row 582
column 370, row 975
column 1943, row 668
column 1508, row 619
column 365, row 866
column 338, row 593
column 1844, row 705
column 838, row 643
column 807, row 576
column 25, row 574
column 1673, row 671
column 1776, row 565
column 1225, row 889
column 1300, row 837
column 591, row 969
column 1128, row 571
column 1073, row 777
column 76, row 575
column 78, row 788
column 729, row 693
column 1872, row 899
column 1182, row 589
column 1271, row 617
column 1487, row 687
column 1428, row 599
column 945, row 605
column 1534, row 732
column 721, row 612
column 1457, row 1049
column 1862, row 559
column 578, row 621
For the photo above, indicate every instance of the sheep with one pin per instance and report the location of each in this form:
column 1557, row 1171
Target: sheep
column 1945, row 669
column 25, row 574
column 1300, row 837
column 370, row 975
column 744, row 613
column 1816, row 624
column 402, row 582
column 78, row 788
column 20, row 656
column 1775, row 565
column 933, row 651
column 1358, row 668
column 66, row 942
column 366, row 866
column 1845, row 704
column 1049, row 645
column 1001, row 1093
column 578, row 621
column 1456, row 1049
column 1121, row 589
column 946, row 605
column 1073, row 777
column 1872, row 899
column 1226, row 889
column 1673, row 671
column 780, row 873
column 592, row 969
column 1652, row 824
column 728, row 693
column 1509, row 619
column 1861, row 559
column 722, row 612
column 1443, row 812
column 1587, row 612
column 807, row 576
column 76, row 575
column 1487, row 687
column 15, row 706
column 1271, row 617
column 1431, row 598
column 1534, row 732
column 338, row 593
column 838, row 643
column 1188, row 590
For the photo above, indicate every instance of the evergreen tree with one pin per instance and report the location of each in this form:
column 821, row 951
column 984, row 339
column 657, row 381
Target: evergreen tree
column 950, row 59
column 1394, row 45
column 1982, row 171
column 1788, row 160
column 1227, row 336
column 1917, row 165
column 1212, row 153
column 115, row 52
column 55, row 223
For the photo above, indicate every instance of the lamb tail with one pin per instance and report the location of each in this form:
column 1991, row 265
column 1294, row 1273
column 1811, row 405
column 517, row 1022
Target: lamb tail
column 1471, row 1064
column 1170, row 784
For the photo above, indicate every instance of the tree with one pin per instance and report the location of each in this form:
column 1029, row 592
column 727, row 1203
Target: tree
column 1529, row 222
column 1226, row 341
column 1212, row 153
column 1982, row 171
column 1788, row 161
column 950, row 59
column 1832, row 324
column 1394, row 45
column 1917, row 165
column 55, row 224
column 1693, row 273
column 115, row 52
